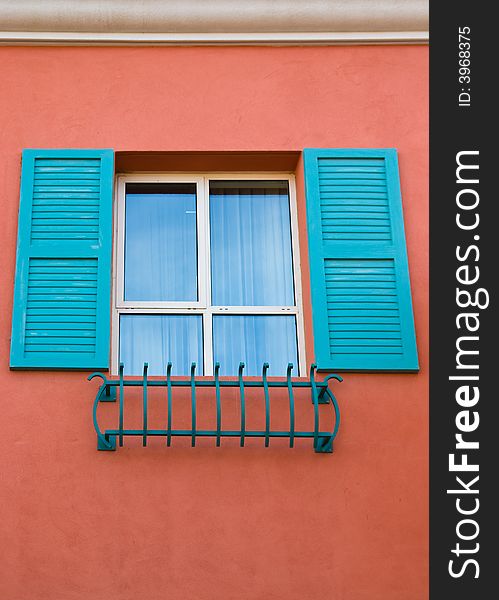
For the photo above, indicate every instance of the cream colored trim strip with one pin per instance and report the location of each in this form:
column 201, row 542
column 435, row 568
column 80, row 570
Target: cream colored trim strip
column 47, row 38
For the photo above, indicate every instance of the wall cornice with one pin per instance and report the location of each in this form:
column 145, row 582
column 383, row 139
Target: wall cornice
column 213, row 22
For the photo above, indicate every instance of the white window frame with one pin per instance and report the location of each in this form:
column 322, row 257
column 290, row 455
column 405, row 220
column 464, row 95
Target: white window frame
column 203, row 305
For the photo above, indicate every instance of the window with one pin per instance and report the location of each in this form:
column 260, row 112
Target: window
column 207, row 271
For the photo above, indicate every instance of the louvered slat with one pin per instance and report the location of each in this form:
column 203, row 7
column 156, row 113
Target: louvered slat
column 67, row 185
column 354, row 184
column 350, row 334
column 45, row 333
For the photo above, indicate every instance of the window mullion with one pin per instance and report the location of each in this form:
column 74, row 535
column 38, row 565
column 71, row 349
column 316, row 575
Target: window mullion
column 208, row 342
column 255, row 310
column 207, row 318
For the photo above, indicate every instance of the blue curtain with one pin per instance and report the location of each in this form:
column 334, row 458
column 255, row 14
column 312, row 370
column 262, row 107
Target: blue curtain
column 158, row 339
column 255, row 340
column 251, row 259
column 160, row 245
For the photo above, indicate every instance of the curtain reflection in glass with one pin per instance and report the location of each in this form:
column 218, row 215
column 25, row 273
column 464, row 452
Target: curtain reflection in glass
column 251, row 260
column 255, row 340
column 158, row 339
column 160, row 242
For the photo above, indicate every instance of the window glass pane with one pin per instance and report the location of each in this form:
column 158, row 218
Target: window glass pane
column 255, row 340
column 251, row 260
column 158, row 339
column 160, row 242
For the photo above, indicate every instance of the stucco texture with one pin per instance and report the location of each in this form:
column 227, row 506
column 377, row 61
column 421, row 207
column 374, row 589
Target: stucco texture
column 215, row 523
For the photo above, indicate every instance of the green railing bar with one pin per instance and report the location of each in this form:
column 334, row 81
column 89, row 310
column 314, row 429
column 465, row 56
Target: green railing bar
column 169, row 400
column 243, row 404
column 313, row 366
column 193, row 404
column 267, row 403
column 102, row 442
column 337, row 415
column 213, row 433
column 122, row 403
column 144, row 404
column 219, row 407
column 291, row 407
column 211, row 383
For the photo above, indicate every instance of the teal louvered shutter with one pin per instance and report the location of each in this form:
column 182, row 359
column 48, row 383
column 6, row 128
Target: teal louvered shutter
column 61, row 312
column 361, row 296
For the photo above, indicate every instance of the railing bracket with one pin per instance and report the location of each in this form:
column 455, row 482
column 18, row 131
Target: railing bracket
column 324, row 445
column 107, row 393
column 106, row 442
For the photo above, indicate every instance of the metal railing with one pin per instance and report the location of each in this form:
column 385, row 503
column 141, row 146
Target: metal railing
column 319, row 390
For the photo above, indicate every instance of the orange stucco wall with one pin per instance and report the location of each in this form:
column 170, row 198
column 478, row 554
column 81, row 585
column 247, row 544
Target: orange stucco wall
column 212, row 523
